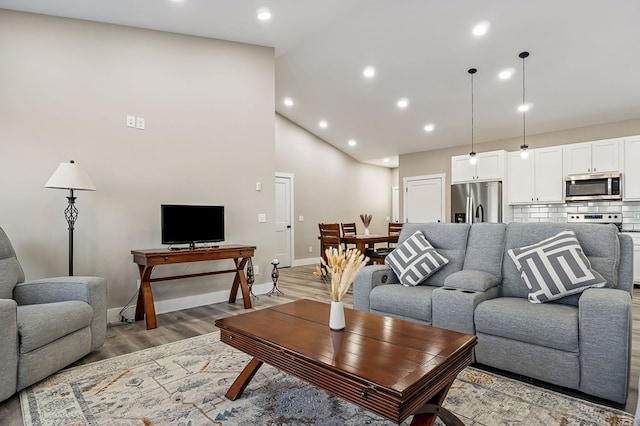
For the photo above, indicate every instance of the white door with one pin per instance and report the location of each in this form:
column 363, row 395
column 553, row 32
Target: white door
column 395, row 204
column 424, row 199
column 284, row 206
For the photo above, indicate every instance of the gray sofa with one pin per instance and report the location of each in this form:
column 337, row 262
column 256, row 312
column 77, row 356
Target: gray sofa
column 47, row 324
column 581, row 341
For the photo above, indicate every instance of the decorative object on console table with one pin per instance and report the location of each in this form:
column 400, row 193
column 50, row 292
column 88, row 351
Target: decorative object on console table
column 71, row 177
column 342, row 267
column 275, row 274
column 366, row 221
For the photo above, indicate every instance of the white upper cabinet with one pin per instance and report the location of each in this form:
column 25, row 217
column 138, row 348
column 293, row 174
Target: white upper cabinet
column 631, row 174
column 490, row 166
column 536, row 179
column 592, row 157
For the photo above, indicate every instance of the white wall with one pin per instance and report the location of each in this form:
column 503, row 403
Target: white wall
column 65, row 89
column 329, row 186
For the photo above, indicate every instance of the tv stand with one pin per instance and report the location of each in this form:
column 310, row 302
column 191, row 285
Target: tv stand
column 147, row 259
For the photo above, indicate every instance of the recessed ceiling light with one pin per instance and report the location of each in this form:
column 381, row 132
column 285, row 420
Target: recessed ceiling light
column 323, row 124
column 403, row 103
column 480, row 29
column 369, row 72
column 352, row 142
column 386, row 160
column 524, row 108
column 506, row 74
column 264, row 14
column 429, row 127
column 288, row 102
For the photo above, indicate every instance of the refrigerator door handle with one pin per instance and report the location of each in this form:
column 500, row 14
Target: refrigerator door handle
column 469, row 212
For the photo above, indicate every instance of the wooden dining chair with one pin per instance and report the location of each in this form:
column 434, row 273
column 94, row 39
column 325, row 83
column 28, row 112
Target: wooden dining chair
column 349, row 229
column 329, row 237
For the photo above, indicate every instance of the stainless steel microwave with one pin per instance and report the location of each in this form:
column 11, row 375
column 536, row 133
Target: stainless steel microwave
column 603, row 186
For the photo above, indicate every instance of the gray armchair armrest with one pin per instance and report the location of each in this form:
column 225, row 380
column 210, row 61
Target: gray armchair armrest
column 471, row 280
column 605, row 342
column 8, row 348
column 92, row 290
column 368, row 278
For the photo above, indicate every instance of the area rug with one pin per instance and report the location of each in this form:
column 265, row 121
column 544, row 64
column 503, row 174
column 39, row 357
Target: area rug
column 184, row 383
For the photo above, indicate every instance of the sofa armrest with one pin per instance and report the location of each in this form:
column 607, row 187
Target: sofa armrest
column 368, row 278
column 92, row 290
column 605, row 342
column 8, row 348
column 471, row 280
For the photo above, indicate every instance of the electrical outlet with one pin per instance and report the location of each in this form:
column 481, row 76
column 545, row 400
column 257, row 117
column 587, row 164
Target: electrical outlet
column 300, row 218
column 140, row 123
column 256, row 270
column 636, row 215
column 310, row 249
column 262, row 217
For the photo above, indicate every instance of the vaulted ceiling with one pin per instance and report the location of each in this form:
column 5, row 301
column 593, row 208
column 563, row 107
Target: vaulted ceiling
column 582, row 69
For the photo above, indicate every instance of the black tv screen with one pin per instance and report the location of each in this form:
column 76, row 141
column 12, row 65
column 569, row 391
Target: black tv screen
column 184, row 224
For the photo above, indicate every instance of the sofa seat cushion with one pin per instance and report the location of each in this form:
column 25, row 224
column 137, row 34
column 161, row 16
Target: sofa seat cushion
column 409, row 302
column 39, row 325
column 552, row 325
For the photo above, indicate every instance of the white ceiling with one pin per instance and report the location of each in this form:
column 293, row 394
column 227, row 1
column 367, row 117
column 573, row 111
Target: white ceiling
column 583, row 69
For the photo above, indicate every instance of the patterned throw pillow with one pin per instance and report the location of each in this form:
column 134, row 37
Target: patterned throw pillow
column 555, row 268
column 414, row 260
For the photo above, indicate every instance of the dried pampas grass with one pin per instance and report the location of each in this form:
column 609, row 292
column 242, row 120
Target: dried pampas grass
column 342, row 267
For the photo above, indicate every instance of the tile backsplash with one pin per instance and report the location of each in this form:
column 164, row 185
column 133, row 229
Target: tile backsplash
column 558, row 212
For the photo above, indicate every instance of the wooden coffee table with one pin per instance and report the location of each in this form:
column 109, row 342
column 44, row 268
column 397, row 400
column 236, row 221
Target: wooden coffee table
column 391, row 367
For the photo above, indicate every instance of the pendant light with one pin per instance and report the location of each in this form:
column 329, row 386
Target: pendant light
column 524, row 148
column 472, row 154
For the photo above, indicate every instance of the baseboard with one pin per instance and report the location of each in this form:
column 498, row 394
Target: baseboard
column 307, row 261
column 180, row 303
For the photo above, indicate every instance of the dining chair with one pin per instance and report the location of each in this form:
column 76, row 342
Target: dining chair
column 329, row 237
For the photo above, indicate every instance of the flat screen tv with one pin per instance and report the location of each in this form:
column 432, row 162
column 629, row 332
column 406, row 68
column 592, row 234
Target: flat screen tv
column 185, row 224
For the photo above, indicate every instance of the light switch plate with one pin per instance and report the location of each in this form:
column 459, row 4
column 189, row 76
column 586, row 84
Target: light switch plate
column 262, row 217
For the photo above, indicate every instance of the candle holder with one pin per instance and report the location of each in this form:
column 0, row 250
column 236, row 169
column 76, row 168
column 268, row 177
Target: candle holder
column 275, row 274
column 251, row 278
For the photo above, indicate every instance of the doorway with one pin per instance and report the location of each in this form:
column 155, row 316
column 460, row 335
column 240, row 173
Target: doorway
column 284, row 213
column 424, row 198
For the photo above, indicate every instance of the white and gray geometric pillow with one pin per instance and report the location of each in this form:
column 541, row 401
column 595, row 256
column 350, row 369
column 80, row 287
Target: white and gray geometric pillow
column 555, row 268
column 415, row 259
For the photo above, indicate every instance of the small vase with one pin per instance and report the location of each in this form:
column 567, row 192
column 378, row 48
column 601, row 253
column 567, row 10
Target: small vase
column 336, row 316
column 366, row 232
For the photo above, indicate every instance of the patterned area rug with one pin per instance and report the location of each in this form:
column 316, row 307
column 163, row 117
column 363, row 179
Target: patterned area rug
column 184, row 383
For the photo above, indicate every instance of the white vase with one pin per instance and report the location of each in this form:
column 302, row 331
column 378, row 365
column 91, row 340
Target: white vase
column 366, row 231
column 336, row 316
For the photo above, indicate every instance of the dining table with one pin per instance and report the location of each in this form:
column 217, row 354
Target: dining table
column 362, row 241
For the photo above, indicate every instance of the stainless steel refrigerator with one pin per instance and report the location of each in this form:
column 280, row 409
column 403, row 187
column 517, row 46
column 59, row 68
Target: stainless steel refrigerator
column 476, row 202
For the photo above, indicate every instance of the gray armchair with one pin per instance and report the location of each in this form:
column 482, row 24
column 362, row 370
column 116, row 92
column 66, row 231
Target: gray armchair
column 46, row 324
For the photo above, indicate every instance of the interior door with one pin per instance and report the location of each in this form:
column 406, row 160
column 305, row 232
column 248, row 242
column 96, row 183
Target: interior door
column 424, row 199
column 284, row 232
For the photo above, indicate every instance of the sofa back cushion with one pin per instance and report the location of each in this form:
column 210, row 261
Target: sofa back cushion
column 599, row 243
column 10, row 270
column 485, row 248
column 449, row 239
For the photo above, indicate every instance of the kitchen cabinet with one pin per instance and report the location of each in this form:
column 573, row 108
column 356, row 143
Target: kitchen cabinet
column 631, row 172
column 536, row 179
column 636, row 255
column 490, row 166
column 592, row 157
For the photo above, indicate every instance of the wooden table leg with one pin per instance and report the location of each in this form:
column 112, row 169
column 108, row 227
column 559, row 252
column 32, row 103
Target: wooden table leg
column 434, row 409
column 240, row 384
column 240, row 282
column 144, row 306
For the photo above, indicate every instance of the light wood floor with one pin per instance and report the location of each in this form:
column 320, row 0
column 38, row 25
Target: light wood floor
column 296, row 283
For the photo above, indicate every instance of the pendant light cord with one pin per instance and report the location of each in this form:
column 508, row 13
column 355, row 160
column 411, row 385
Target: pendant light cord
column 524, row 146
column 472, row 71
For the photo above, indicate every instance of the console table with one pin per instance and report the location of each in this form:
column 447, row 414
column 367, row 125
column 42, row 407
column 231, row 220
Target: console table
column 147, row 259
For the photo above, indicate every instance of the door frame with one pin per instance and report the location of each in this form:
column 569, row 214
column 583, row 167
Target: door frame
column 406, row 180
column 292, row 244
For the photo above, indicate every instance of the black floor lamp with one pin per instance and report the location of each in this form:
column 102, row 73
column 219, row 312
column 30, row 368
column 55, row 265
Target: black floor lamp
column 69, row 176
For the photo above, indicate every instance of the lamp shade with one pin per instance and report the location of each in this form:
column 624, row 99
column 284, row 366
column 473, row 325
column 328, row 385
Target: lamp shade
column 70, row 176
